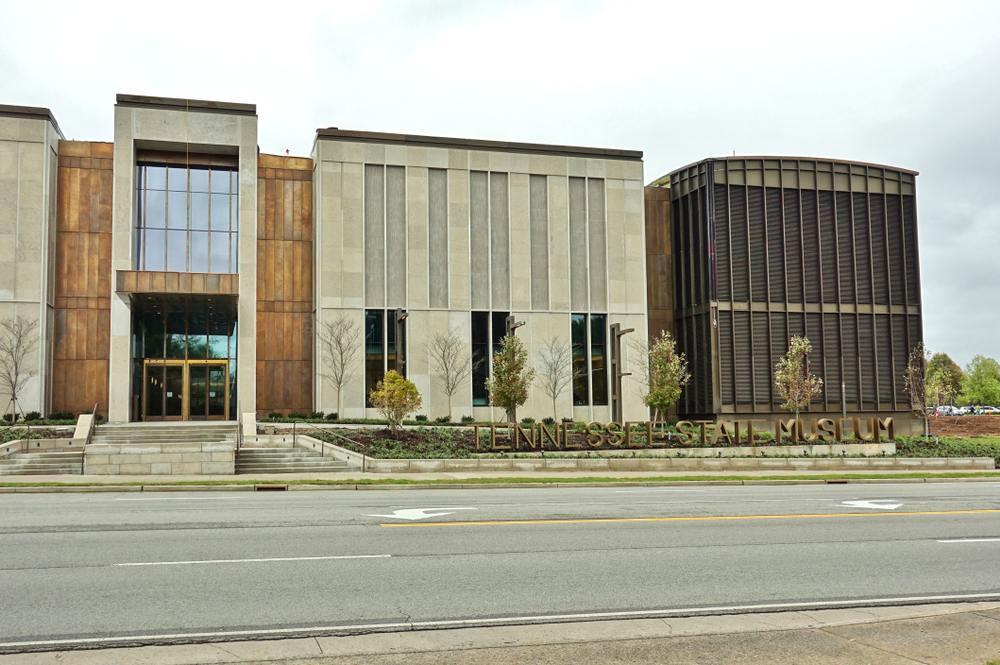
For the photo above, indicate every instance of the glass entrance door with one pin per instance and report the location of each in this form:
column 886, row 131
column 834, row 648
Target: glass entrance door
column 185, row 390
column 208, row 388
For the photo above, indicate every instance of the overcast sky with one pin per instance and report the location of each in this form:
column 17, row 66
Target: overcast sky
column 909, row 84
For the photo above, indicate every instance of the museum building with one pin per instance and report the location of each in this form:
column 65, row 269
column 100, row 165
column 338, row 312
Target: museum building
column 177, row 273
column 765, row 248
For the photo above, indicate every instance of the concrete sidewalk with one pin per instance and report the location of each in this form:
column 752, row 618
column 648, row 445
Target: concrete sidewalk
column 454, row 479
column 962, row 633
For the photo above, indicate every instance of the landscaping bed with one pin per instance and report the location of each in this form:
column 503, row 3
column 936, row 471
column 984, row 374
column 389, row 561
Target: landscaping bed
column 15, row 433
column 459, row 443
column 964, row 426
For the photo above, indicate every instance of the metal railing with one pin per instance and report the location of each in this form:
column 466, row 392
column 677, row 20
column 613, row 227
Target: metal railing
column 239, row 439
column 90, row 435
column 322, row 448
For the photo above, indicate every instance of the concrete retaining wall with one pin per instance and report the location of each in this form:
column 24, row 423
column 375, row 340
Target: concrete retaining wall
column 112, row 459
column 679, row 464
column 827, row 449
column 39, row 445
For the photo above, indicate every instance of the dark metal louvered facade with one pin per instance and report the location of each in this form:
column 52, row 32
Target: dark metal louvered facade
column 768, row 248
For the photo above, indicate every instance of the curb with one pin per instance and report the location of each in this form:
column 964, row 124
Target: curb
column 65, row 489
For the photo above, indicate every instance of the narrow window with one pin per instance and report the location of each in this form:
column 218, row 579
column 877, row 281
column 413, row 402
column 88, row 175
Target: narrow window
column 480, row 357
column 488, row 328
column 598, row 343
column 374, row 355
column 581, row 395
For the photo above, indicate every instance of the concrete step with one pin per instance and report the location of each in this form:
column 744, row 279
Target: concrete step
column 159, row 439
column 266, row 460
column 42, row 463
column 155, row 433
column 31, row 471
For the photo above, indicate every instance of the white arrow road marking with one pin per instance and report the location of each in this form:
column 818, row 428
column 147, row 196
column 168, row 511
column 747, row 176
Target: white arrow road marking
column 881, row 505
column 284, row 558
column 420, row 513
column 971, row 540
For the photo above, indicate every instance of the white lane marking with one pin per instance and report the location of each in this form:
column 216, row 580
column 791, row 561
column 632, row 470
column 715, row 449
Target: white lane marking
column 185, row 498
column 352, row 629
column 880, row 504
column 971, row 540
column 653, row 490
column 285, row 558
column 420, row 513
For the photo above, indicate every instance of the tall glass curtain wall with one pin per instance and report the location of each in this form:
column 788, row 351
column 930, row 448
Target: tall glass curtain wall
column 186, row 219
column 179, row 332
column 380, row 347
column 852, row 253
column 589, row 347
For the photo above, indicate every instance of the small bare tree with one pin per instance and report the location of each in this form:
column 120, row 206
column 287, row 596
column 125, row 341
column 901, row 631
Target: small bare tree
column 916, row 383
column 792, row 379
column 555, row 369
column 339, row 341
column 18, row 339
column 451, row 359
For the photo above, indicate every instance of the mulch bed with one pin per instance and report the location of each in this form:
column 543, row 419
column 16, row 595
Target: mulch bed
column 965, row 425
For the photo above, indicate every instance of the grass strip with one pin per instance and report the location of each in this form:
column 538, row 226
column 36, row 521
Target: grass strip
column 519, row 480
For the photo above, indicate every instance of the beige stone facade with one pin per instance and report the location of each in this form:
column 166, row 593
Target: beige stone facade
column 520, row 263
column 29, row 143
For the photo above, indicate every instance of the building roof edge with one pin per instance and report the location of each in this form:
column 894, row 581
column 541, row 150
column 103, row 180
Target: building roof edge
column 31, row 113
column 177, row 104
column 789, row 157
column 336, row 134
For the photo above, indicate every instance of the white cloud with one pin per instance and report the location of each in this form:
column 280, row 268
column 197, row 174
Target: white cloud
column 895, row 82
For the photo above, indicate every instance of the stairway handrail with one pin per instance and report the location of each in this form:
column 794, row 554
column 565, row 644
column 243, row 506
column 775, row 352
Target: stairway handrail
column 239, row 438
column 322, row 449
column 90, row 435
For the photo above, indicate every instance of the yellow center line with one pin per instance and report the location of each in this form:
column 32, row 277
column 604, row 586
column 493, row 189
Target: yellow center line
column 586, row 520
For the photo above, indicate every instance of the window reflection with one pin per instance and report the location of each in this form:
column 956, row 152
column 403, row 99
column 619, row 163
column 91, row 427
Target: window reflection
column 199, row 180
column 176, row 206
column 220, row 212
column 177, row 251
column 155, row 249
column 177, row 210
column 220, row 252
column 199, row 251
column 199, row 211
column 195, row 331
column 177, row 179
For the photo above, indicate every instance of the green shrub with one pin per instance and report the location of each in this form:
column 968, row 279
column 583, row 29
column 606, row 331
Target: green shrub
column 567, row 420
column 11, row 417
column 421, row 417
column 317, row 415
column 948, row 447
column 333, row 416
column 33, row 415
column 62, row 415
column 443, row 419
column 297, row 416
column 527, row 421
column 548, row 420
column 468, row 419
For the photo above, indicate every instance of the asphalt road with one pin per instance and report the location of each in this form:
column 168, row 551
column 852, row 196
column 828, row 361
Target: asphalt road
column 101, row 569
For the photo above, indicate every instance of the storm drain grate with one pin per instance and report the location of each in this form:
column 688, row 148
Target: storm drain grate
column 270, row 488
